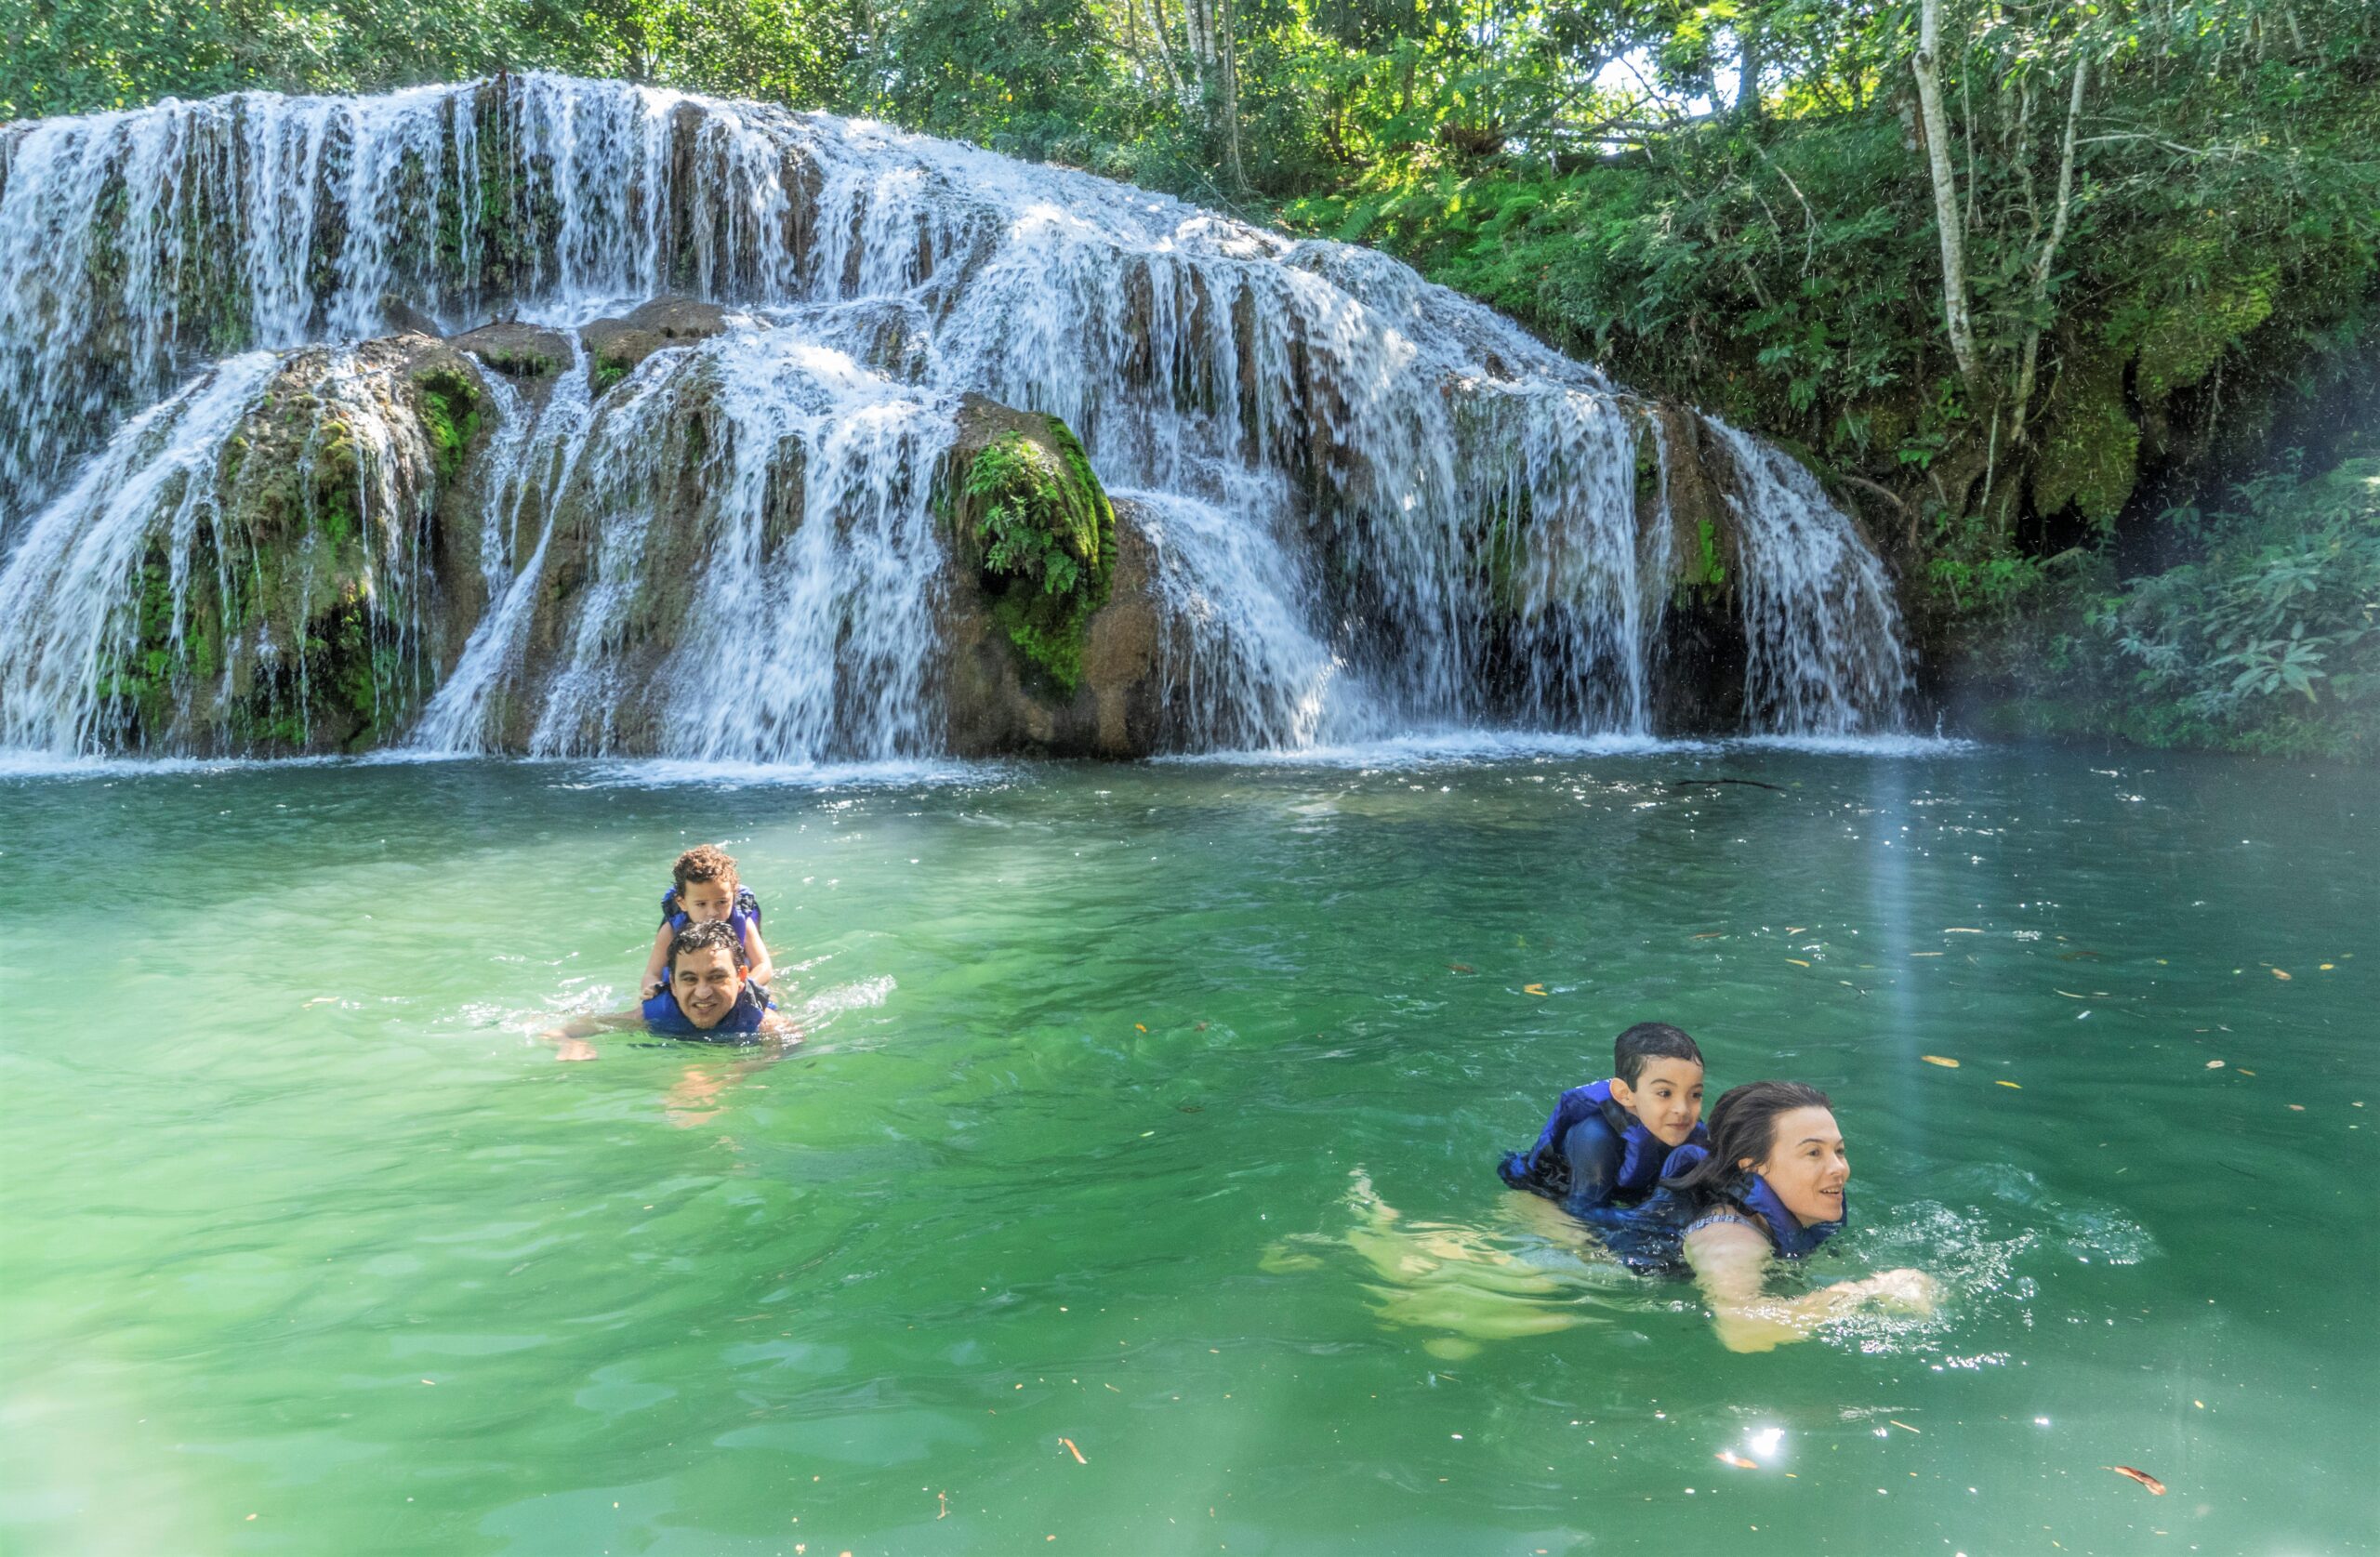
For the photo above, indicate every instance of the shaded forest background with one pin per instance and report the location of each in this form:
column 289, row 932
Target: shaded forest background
column 2076, row 306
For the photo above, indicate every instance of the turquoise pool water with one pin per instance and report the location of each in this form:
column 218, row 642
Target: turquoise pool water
column 1152, row 1111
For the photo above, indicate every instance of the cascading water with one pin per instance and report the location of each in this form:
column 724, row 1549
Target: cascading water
column 1373, row 505
column 1822, row 634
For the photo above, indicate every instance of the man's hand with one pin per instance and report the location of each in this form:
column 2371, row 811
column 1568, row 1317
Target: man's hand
column 574, row 1048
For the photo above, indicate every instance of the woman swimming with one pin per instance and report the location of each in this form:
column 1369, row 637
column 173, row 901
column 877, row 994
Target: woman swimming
column 1771, row 1186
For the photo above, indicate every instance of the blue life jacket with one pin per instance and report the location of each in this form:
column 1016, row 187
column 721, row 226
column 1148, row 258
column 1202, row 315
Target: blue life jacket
column 1751, row 1193
column 742, row 920
column 745, row 902
column 1546, row 1170
column 663, row 1015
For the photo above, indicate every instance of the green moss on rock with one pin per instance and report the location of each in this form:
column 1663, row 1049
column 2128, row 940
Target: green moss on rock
column 450, row 413
column 2091, row 447
column 1043, row 534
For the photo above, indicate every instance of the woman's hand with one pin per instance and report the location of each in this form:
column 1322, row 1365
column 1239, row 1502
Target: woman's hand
column 1904, row 1291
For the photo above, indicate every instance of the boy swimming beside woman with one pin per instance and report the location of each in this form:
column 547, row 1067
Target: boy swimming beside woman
column 1630, row 1157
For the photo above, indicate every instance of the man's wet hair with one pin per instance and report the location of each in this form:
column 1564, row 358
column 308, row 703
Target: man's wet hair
column 704, row 862
column 1646, row 1042
column 716, row 935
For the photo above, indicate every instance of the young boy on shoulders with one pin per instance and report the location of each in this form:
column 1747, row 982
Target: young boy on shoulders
column 1605, row 1141
column 705, row 891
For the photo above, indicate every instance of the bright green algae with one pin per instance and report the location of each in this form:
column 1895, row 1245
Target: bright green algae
column 303, row 1227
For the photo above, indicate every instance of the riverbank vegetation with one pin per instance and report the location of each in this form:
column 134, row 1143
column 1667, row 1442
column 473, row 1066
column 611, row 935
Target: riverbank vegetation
column 2077, row 308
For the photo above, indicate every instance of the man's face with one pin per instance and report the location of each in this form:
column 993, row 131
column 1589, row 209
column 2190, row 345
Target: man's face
column 707, row 901
column 707, row 984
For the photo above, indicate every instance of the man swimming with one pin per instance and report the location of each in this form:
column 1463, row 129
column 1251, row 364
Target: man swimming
column 708, row 1000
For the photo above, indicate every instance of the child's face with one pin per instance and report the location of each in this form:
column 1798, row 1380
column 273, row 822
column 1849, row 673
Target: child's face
column 1667, row 1098
column 707, row 901
column 1805, row 1165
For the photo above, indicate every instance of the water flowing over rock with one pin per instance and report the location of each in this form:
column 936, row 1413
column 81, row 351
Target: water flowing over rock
column 689, row 479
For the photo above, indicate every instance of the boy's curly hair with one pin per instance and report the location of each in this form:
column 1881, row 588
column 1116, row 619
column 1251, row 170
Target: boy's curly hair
column 703, row 863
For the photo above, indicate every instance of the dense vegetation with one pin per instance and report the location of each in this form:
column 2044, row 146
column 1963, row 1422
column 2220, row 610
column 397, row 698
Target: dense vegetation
column 2076, row 305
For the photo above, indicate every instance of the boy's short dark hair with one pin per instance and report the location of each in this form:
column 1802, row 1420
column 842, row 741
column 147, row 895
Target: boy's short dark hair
column 1646, row 1042
column 704, row 862
column 716, row 935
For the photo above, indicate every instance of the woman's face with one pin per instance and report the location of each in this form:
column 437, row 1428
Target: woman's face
column 1805, row 1165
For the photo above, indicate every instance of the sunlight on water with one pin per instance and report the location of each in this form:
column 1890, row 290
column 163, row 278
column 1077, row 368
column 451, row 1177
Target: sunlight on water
column 1153, row 1111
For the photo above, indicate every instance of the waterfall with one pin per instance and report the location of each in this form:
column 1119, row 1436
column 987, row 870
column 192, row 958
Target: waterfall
column 1821, row 634
column 1375, row 506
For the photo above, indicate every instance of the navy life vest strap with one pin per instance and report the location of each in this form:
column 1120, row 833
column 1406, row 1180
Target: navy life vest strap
column 663, row 1015
column 745, row 901
column 1751, row 1193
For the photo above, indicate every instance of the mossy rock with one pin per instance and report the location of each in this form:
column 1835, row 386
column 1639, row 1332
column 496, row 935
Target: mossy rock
column 517, row 350
column 1031, row 517
column 2090, row 450
column 2179, row 345
column 616, row 346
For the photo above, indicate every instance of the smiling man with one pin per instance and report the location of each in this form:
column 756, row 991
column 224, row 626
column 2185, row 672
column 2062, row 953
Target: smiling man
column 708, row 1000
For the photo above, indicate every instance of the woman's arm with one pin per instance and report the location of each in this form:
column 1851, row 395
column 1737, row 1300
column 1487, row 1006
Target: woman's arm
column 1730, row 1260
column 758, row 969
column 656, row 967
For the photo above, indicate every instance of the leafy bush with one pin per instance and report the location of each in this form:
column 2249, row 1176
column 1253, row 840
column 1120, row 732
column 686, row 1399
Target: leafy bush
column 2272, row 641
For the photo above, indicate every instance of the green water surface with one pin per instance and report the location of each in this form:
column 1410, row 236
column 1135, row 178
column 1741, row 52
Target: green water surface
column 1152, row 1111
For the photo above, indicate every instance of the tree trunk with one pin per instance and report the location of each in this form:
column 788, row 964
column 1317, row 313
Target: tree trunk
column 2041, row 266
column 1228, row 61
column 1749, row 31
column 1946, row 186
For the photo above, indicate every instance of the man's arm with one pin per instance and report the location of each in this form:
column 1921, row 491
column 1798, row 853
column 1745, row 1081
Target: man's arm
column 570, row 1038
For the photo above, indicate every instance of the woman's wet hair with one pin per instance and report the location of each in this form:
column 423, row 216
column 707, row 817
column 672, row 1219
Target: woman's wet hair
column 1646, row 1042
column 704, row 862
column 1743, row 1124
column 714, row 935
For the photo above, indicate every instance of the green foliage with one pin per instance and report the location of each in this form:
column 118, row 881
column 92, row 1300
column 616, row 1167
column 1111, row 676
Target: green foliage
column 450, row 413
column 2272, row 641
column 1045, row 535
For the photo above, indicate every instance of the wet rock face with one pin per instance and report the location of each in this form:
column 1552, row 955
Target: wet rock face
column 519, row 351
column 310, row 613
column 998, row 705
column 616, row 346
column 1052, row 627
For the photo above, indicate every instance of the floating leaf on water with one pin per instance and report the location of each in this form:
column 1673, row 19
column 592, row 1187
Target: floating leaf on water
column 2215, row 1064
column 2143, row 1477
column 2297, row 1108
column 1797, row 962
column 1080, row 1460
column 1538, row 990
column 1943, row 1060
column 1730, row 1458
column 1794, row 930
column 1961, row 930
column 1460, row 968
column 1720, row 935
column 2327, row 967
column 2281, row 976
column 2247, row 1072
column 1903, row 1426
column 1139, row 1027
column 2011, row 1085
